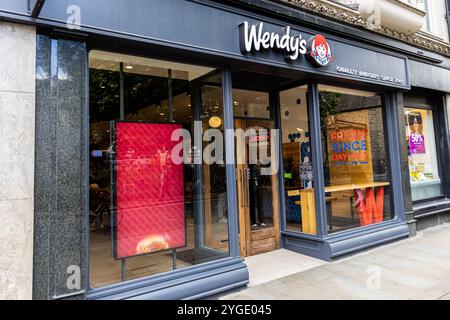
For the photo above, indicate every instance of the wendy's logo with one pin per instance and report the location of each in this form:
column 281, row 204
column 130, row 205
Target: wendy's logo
column 319, row 51
column 255, row 38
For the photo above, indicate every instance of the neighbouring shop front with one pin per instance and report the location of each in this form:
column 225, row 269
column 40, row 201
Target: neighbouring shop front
column 176, row 138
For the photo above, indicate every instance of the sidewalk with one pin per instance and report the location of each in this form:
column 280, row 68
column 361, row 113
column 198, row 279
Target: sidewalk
column 416, row 268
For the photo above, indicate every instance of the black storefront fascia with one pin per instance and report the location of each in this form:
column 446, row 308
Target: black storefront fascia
column 201, row 44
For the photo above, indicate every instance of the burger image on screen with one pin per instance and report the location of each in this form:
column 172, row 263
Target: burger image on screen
column 152, row 243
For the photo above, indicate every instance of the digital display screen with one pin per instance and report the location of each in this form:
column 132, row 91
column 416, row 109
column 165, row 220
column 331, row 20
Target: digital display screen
column 149, row 190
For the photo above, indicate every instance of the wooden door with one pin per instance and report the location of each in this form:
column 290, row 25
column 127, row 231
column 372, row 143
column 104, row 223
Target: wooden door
column 255, row 239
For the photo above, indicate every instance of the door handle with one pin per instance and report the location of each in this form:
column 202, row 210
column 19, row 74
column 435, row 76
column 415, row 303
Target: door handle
column 243, row 187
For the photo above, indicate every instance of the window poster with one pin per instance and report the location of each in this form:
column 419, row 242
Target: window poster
column 348, row 146
column 416, row 136
column 149, row 191
column 349, row 149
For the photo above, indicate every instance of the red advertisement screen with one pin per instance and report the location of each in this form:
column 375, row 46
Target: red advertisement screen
column 149, row 190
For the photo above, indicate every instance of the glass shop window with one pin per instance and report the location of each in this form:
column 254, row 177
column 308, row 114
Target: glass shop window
column 355, row 158
column 422, row 154
column 156, row 204
column 297, row 161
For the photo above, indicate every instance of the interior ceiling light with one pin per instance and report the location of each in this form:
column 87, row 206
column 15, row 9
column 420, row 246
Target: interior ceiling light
column 129, row 67
column 215, row 122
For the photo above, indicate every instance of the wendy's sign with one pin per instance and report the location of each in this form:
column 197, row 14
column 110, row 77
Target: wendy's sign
column 255, row 39
column 319, row 51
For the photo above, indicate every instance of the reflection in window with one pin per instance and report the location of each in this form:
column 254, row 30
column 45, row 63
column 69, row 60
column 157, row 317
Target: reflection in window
column 150, row 212
column 422, row 155
column 297, row 161
column 357, row 183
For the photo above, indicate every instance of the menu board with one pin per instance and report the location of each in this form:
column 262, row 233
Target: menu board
column 149, row 190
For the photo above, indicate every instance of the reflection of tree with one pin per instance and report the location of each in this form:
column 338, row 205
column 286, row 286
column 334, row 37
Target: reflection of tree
column 140, row 91
column 329, row 108
column 104, row 90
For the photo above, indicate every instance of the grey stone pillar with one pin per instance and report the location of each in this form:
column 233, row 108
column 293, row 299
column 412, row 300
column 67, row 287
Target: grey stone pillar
column 61, row 171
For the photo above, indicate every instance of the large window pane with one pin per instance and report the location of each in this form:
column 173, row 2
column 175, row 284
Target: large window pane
column 297, row 161
column 153, row 208
column 357, row 182
column 214, row 174
column 422, row 155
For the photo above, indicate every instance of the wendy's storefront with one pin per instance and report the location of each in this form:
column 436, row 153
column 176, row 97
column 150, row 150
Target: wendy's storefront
column 177, row 138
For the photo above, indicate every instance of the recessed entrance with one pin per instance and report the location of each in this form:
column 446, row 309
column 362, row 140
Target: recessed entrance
column 257, row 186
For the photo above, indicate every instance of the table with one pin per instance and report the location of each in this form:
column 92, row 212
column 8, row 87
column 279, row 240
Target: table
column 370, row 206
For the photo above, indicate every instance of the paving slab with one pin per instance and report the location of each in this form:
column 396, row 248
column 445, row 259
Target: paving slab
column 416, row 268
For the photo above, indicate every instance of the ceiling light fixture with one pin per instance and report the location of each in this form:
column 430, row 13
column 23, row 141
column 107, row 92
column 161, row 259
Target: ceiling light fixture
column 215, row 122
